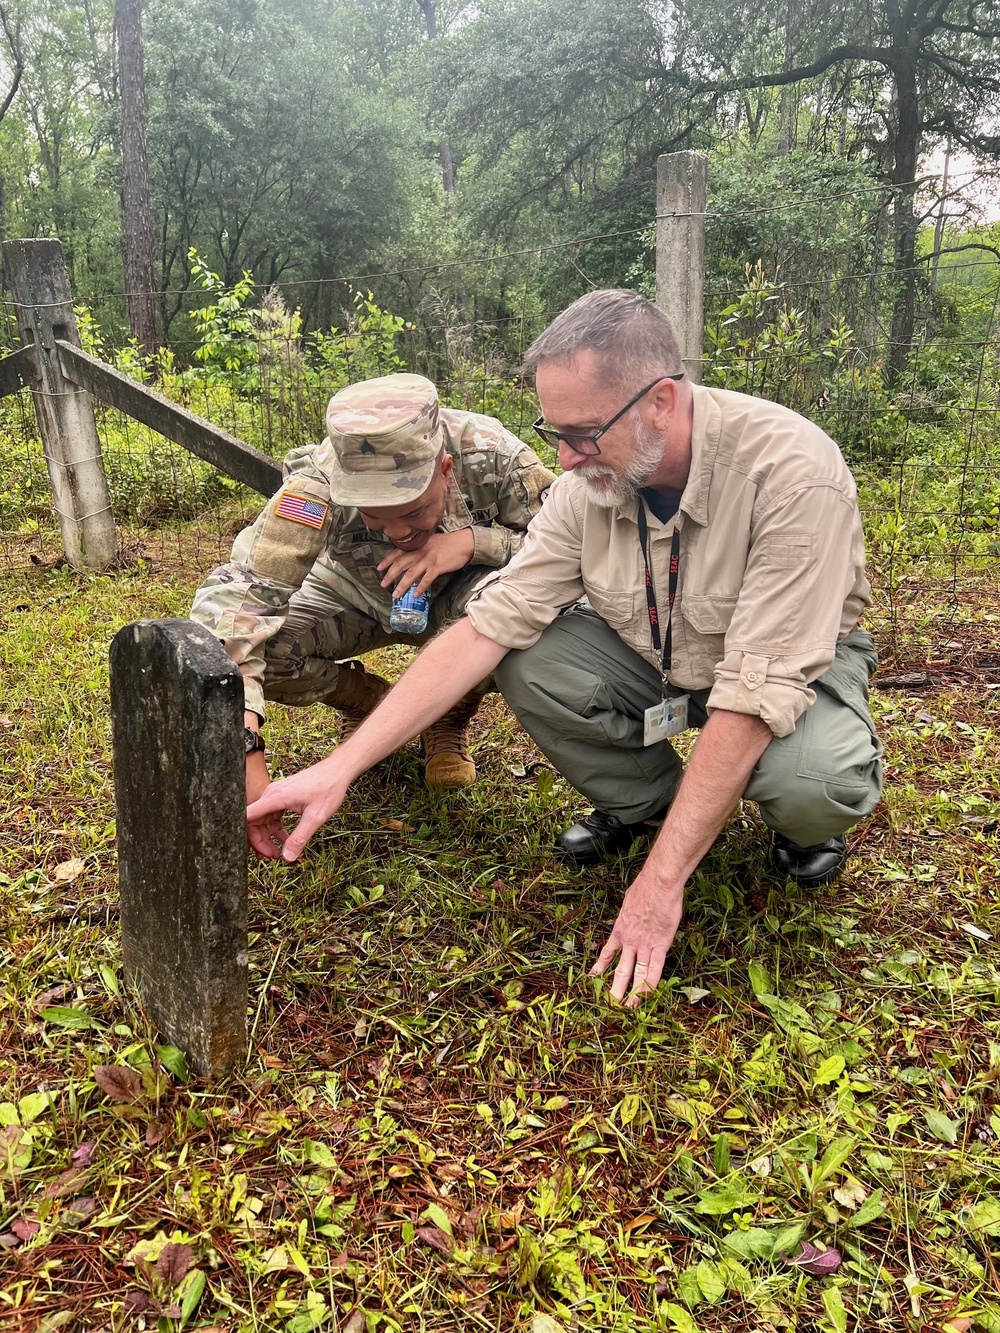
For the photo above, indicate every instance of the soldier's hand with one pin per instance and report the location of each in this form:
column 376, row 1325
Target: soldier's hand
column 314, row 795
column 442, row 553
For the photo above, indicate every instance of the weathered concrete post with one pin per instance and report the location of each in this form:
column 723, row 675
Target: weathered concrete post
column 36, row 273
column 681, row 192
column 177, row 725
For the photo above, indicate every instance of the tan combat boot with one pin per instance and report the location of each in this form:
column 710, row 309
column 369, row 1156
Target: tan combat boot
column 448, row 764
column 356, row 694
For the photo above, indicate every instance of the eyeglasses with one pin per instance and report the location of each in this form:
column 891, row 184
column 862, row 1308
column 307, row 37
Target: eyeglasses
column 586, row 444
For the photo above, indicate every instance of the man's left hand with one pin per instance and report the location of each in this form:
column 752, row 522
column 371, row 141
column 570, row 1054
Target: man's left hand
column 643, row 933
column 442, row 553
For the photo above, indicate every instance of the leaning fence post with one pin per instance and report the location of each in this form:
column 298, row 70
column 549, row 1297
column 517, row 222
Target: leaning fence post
column 177, row 728
column 36, row 274
column 681, row 192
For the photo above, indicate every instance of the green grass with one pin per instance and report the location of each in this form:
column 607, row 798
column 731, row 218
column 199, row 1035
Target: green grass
column 443, row 1123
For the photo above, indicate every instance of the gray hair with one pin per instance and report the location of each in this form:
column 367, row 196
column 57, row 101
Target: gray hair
column 632, row 338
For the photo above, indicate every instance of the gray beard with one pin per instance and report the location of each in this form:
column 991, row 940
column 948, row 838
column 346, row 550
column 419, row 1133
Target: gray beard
column 608, row 487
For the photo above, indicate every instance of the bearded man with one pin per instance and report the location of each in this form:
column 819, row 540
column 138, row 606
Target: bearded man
column 717, row 542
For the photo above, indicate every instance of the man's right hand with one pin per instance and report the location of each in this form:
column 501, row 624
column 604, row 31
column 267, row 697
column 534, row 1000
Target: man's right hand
column 314, row 794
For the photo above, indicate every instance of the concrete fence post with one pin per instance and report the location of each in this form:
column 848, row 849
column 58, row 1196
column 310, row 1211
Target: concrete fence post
column 177, row 728
column 681, row 192
column 36, row 274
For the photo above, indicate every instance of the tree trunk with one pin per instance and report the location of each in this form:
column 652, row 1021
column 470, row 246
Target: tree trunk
column 904, row 169
column 429, row 11
column 137, row 227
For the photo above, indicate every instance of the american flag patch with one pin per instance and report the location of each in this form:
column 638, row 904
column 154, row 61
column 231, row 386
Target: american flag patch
column 300, row 510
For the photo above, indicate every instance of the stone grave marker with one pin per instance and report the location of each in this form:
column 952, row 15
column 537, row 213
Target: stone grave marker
column 177, row 725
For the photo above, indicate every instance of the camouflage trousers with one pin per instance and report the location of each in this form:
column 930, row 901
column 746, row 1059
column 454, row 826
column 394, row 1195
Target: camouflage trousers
column 323, row 628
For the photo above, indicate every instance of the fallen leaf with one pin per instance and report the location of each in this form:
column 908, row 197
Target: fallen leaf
column 68, row 871
column 119, row 1082
column 6, row 722
column 24, row 1229
column 357, row 1322
column 818, row 1263
column 173, row 1263
column 958, row 1323
column 642, row 1220
column 436, row 1239
column 53, row 996
column 851, row 1194
column 544, row 1323
column 396, row 825
column 58, row 1319
column 137, row 1302
column 156, row 1132
column 67, row 1182
column 84, row 1154
column 83, row 1207
column 8, row 1241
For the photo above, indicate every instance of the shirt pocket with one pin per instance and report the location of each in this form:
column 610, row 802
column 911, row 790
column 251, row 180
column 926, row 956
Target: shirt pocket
column 706, row 622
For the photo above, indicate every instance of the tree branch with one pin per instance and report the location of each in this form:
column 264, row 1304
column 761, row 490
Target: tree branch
column 957, row 249
column 17, row 56
column 850, row 51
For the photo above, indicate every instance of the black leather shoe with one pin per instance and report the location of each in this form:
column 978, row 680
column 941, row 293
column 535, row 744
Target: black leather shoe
column 595, row 837
column 811, row 867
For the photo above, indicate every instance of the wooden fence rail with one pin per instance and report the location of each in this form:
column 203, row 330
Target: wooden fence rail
column 64, row 380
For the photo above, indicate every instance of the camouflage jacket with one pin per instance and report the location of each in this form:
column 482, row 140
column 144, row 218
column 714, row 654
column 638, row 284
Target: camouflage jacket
column 495, row 488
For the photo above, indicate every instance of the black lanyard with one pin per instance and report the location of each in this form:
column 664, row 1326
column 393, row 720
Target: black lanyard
column 654, row 615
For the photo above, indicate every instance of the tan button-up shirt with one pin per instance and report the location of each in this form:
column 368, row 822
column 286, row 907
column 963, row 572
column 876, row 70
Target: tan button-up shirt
column 772, row 566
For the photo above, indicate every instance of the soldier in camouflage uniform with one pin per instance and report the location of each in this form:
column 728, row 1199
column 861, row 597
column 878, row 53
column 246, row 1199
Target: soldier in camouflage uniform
column 401, row 493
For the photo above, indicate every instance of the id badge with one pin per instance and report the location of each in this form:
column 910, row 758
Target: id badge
column 664, row 720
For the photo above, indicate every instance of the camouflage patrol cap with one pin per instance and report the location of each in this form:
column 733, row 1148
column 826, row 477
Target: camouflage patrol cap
column 386, row 437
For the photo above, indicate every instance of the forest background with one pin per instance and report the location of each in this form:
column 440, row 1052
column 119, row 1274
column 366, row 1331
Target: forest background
column 316, row 191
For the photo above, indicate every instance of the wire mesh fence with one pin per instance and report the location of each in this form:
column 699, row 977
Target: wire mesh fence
column 799, row 307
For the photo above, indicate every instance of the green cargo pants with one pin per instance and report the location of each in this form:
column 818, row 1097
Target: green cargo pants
column 581, row 693
column 323, row 628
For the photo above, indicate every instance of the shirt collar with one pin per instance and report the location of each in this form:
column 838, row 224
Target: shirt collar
column 456, row 512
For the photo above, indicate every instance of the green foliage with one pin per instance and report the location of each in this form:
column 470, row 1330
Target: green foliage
column 762, row 344
column 226, row 343
column 443, row 1121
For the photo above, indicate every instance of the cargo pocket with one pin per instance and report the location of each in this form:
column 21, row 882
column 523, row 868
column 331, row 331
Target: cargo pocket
column 839, row 741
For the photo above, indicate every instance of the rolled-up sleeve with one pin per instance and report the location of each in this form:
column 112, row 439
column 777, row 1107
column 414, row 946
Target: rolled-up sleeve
column 805, row 553
column 515, row 604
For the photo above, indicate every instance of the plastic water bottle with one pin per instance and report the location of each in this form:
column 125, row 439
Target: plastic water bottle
column 409, row 612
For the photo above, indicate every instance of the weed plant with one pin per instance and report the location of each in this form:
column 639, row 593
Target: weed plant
column 443, row 1123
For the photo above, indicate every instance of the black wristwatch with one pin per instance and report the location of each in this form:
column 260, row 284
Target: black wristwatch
column 253, row 741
